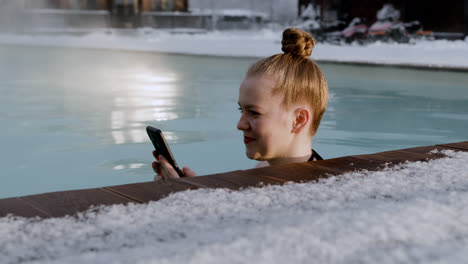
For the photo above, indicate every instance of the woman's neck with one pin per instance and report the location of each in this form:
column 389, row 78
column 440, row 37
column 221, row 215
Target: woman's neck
column 300, row 154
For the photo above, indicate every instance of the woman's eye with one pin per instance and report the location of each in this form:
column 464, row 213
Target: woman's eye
column 250, row 112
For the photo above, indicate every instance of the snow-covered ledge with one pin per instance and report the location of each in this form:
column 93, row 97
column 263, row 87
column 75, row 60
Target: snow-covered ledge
column 414, row 212
column 258, row 43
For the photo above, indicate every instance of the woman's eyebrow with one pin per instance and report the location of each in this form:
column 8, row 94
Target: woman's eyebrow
column 248, row 106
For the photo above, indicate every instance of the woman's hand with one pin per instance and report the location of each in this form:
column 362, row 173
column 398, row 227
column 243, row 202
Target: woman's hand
column 165, row 170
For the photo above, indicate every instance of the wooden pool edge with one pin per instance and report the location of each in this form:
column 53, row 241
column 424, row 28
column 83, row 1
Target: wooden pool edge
column 58, row 204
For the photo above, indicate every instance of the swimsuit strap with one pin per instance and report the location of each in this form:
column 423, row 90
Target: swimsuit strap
column 315, row 156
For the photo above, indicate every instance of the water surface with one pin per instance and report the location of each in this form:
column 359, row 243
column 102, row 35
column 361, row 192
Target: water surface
column 75, row 118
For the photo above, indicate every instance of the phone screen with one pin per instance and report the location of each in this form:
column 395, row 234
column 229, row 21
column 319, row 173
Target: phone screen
column 161, row 147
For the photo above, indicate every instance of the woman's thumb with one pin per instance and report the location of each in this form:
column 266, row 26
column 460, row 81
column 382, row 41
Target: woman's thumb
column 188, row 172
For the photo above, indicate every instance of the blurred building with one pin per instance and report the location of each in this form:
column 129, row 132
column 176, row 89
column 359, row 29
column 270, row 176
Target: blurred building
column 93, row 13
column 67, row 4
column 195, row 14
column 437, row 16
column 450, row 16
column 274, row 10
column 110, row 5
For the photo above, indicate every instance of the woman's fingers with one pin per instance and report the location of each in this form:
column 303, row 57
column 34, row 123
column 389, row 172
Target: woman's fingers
column 166, row 169
column 156, row 167
column 155, row 155
column 188, row 172
column 163, row 168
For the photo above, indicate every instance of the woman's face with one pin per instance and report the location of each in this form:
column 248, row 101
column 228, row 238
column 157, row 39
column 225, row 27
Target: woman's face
column 267, row 125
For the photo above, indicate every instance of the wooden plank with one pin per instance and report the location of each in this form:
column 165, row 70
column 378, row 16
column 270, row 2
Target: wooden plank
column 59, row 204
column 208, row 181
column 70, row 202
column 459, row 145
column 234, row 180
column 150, row 191
column 431, row 152
column 312, row 171
column 350, row 163
column 246, row 179
column 243, row 179
column 399, row 156
column 297, row 172
column 18, row 207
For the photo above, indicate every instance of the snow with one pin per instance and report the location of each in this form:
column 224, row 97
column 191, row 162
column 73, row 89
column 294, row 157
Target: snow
column 310, row 12
column 388, row 12
column 410, row 213
column 261, row 43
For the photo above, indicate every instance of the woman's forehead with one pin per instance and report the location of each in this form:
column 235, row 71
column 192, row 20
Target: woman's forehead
column 257, row 86
column 258, row 93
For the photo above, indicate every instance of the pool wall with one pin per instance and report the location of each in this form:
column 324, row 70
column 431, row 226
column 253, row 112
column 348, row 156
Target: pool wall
column 59, row 204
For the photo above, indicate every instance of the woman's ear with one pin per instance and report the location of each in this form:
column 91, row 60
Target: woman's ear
column 301, row 121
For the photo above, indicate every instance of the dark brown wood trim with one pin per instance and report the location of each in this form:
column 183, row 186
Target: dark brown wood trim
column 107, row 189
column 58, row 204
column 459, row 146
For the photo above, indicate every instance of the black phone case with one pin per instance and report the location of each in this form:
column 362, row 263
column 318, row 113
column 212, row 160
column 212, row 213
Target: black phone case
column 161, row 146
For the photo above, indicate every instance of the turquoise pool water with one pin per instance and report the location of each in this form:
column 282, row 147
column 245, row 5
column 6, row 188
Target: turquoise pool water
column 75, row 118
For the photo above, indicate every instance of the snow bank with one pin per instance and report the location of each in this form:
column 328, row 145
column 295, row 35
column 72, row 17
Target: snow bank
column 439, row 53
column 414, row 213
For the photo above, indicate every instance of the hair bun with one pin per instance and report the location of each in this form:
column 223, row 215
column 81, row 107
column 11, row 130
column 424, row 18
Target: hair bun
column 297, row 42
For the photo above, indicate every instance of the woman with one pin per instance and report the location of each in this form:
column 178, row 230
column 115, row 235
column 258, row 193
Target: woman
column 282, row 100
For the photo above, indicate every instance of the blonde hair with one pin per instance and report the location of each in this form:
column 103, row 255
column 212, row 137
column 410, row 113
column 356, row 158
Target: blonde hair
column 298, row 78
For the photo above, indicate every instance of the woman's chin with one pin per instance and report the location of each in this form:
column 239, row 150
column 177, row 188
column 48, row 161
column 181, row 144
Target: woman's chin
column 254, row 155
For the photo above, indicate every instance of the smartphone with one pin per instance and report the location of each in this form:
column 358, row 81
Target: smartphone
column 161, row 147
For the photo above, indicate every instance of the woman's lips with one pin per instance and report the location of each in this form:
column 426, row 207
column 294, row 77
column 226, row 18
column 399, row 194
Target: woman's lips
column 247, row 140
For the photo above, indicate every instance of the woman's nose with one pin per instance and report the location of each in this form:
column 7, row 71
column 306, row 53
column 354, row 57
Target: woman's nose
column 243, row 124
